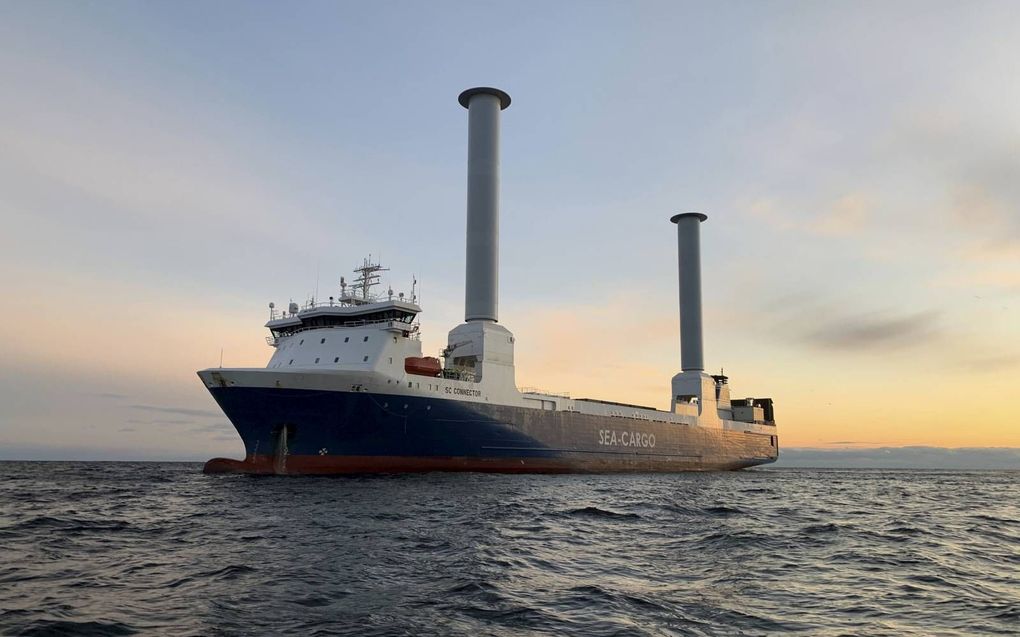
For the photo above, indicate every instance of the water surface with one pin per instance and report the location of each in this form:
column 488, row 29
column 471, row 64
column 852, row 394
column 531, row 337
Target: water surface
column 125, row 548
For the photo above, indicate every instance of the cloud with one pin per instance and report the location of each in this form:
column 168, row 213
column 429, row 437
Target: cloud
column 110, row 395
column 191, row 425
column 84, row 453
column 999, row 279
column 957, row 186
column 873, row 331
column 883, row 332
column 219, row 427
column 848, row 216
column 769, row 212
column 985, row 210
column 184, row 411
column 991, row 363
column 922, row 334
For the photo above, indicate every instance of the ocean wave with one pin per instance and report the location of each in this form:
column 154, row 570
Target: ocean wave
column 67, row 525
column 60, row 628
column 723, row 510
column 817, row 529
column 599, row 513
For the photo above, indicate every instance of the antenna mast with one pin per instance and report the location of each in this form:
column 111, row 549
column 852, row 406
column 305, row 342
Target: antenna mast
column 368, row 276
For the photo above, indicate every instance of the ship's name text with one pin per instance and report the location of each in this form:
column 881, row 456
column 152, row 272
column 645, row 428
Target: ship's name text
column 464, row 392
column 612, row 437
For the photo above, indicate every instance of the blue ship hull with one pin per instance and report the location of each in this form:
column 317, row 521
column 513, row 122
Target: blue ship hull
column 312, row 431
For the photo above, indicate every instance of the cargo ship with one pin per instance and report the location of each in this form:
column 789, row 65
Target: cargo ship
column 348, row 389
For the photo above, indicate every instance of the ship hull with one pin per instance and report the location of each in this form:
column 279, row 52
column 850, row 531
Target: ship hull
column 304, row 431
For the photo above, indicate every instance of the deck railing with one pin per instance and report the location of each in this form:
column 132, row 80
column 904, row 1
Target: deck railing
column 344, row 302
column 543, row 392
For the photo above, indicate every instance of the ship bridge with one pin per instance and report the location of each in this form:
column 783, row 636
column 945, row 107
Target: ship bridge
column 356, row 306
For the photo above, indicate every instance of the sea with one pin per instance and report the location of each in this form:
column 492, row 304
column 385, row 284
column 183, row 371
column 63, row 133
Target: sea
column 148, row 548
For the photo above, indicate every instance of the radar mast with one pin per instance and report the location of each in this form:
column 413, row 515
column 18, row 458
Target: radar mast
column 368, row 276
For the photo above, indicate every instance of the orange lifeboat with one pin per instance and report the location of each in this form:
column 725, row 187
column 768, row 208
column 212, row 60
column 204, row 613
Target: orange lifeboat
column 425, row 366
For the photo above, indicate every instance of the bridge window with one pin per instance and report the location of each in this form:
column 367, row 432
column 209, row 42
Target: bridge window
column 322, row 341
column 347, row 339
column 316, row 360
column 302, row 342
column 336, row 360
column 364, row 340
column 364, row 360
column 291, row 362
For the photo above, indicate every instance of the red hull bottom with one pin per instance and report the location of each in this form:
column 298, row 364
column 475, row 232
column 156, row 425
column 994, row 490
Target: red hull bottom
column 334, row 465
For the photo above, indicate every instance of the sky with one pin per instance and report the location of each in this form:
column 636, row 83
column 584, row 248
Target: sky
column 168, row 169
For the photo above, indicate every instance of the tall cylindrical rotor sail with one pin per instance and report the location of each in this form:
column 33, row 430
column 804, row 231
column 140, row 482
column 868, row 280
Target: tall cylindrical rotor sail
column 688, row 228
column 482, row 276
